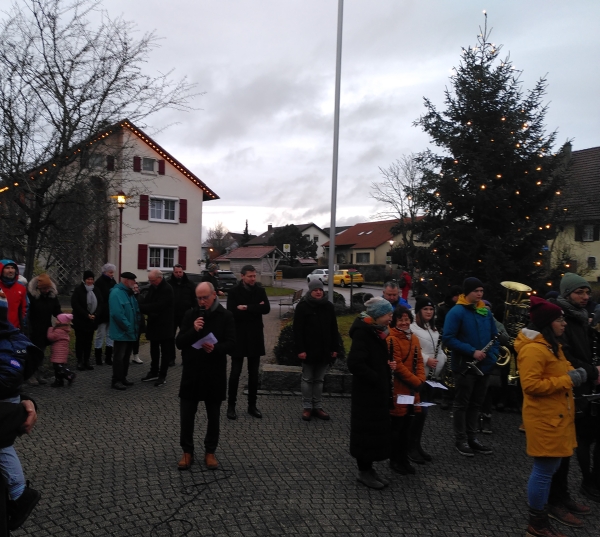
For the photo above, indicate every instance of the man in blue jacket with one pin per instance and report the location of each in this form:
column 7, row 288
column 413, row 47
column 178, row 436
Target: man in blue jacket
column 123, row 327
column 468, row 328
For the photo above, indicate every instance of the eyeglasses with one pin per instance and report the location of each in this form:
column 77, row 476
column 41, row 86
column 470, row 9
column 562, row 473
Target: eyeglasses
column 560, row 320
column 201, row 298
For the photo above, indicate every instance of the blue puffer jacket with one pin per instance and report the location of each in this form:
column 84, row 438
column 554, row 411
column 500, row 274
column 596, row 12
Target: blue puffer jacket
column 124, row 314
column 465, row 331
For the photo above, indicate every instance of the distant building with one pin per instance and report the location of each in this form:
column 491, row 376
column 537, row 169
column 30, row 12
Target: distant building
column 310, row 231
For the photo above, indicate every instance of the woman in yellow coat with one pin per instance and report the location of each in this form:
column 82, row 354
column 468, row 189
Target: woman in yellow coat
column 547, row 380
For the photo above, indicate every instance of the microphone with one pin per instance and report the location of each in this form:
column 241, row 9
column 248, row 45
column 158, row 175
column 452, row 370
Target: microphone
column 201, row 312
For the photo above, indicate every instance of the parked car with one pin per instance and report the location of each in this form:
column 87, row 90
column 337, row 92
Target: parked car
column 227, row 279
column 342, row 278
column 319, row 274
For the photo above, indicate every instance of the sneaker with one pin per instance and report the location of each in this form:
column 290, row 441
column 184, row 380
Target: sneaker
column 478, row 447
column 150, row 377
column 19, row 510
column 136, row 359
column 464, row 449
column 560, row 514
column 160, row 382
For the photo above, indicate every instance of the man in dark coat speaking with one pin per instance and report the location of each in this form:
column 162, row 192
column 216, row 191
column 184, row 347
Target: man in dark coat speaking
column 248, row 302
column 204, row 376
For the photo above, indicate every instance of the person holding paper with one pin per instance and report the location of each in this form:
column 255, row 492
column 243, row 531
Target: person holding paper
column 434, row 361
column 409, row 380
column 206, row 336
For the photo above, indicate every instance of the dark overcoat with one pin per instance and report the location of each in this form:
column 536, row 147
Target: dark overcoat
column 204, row 375
column 316, row 330
column 250, row 340
column 184, row 295
column 371, row 394
column 81, row 320
column 158, row 305
column 42, row 307
column 103, row 285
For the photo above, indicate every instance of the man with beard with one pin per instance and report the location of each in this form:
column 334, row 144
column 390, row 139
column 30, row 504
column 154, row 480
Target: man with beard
column 15, row 292
column 578, row 344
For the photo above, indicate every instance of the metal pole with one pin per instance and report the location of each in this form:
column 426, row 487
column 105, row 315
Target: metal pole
column 120, row 239
column 336, row 137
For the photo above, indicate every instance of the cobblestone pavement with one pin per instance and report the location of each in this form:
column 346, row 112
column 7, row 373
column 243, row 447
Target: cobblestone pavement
column 106, row 464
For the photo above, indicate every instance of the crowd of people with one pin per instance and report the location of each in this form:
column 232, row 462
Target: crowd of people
column 398, row 356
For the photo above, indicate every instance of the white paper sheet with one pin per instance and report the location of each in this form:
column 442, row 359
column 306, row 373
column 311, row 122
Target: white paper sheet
column 425, row 404
column 405, row 399
column 435, row 384
column 210, row 338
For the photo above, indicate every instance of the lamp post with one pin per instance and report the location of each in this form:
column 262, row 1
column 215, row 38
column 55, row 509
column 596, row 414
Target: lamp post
column 391, row 246
column 121, row 202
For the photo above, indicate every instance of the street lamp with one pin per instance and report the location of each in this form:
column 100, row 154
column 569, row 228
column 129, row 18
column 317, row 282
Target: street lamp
column 391, row 241
column 121, row 202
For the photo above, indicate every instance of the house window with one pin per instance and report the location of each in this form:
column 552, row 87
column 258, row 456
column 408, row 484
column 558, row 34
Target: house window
column 591, row 262
column 97, row 161
column 163, row 209
column 363, row 257
column 161, row 258
column 315, row 239
column 587, row 234
column 148, row 164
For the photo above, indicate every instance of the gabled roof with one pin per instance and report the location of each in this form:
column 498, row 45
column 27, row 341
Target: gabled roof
column 263, row 238
column 338, row 230
column 367, row 235
column 75, row 152
column 248, row 252
column 581, row 186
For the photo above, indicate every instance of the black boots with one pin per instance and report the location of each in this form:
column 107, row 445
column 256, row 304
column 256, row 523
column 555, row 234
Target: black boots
column 19, row 510
column 108, row 352
column 62, row 373
column 231, row 414
column 98, row 355
column 415, row 452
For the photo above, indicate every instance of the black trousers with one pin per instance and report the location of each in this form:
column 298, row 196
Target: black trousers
column 84, row 340
column 187, row 416
column 400, row 428
column 237, row 363
column 121, row 355
column 162, row 352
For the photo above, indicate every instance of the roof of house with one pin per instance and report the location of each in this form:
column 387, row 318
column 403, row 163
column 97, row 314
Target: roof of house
column 263, row 238
column 338, row 229
column 208, row 194
column 581, row 185
column 248, row 252
column 367, row 234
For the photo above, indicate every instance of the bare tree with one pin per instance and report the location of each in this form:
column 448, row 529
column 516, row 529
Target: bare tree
column 63, row 81
column 219, row 238
column 400, row 191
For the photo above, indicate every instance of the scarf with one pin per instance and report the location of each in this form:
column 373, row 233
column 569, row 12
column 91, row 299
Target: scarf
column 479, row 307
column 382, row 331
column 9, row 282
column 92, row 301
column 580, row 314
column 312, row 300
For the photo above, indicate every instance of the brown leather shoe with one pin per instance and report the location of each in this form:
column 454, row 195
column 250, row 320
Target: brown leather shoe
column 576, row 508
column 186, row 461
column 211, row 461
column 320, row 413
column 560, row 514
column 306, row 414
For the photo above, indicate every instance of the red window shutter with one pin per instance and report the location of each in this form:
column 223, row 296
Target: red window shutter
column 144, row 201
column 183, row 211
column 142, row 256
column 110, row 163
column 161, row 167
column 137, row 164
column 182, row 256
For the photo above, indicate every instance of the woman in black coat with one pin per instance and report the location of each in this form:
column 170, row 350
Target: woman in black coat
column 371, row 401
column 86, row 302
column 316, row 340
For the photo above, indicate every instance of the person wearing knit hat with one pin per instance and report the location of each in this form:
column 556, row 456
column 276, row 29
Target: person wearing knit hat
column 548, row 381
column 468, row 328
column 316, row 343
column 377, row 307
column 579, row 351
column 59, row 336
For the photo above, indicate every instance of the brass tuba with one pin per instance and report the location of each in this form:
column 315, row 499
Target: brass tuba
column 516, row 309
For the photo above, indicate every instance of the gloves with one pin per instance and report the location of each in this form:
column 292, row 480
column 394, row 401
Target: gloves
column 578, row 376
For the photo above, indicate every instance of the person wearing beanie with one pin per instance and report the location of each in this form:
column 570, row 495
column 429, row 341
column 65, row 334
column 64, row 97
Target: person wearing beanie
column 86, row 304
column 103, row 285
column 578, row 346
column 547, row 380
column 59, row 336
column 316, row 343
column 43, row 306
column 434, row 362
column 16, row 293
column 468, row 328
column 371, row 400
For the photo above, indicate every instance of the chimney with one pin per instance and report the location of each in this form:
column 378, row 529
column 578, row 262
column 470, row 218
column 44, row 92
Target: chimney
column 270, row 227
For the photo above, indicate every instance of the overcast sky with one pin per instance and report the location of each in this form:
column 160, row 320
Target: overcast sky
column 262, row 136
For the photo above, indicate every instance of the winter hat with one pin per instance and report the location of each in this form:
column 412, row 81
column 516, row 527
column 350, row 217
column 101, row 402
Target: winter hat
column 542, row 312
column 470, row 284
column 551, row 294
column 44, row 280
column 87, row 274
column 315, row 284
column 378, row 306
column 423, row 301
column 128, row 275
column 64, row 318
column 3, row 307
column 570, row 282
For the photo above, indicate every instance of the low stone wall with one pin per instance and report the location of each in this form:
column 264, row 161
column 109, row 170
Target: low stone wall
column 287, row 378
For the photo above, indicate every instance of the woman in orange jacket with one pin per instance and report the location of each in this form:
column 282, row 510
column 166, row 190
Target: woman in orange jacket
column 409, row 380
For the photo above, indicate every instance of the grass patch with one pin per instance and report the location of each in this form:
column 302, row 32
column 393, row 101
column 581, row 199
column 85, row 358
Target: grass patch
column 344, row 324
column 279, row 291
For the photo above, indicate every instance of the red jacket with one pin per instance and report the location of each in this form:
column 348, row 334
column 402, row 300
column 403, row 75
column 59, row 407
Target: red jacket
column 16, row 295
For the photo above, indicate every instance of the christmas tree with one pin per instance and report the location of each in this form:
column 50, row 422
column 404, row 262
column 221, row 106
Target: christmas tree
column 492, row 197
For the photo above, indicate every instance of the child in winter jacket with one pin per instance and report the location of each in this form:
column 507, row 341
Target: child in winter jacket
column 59, row 336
